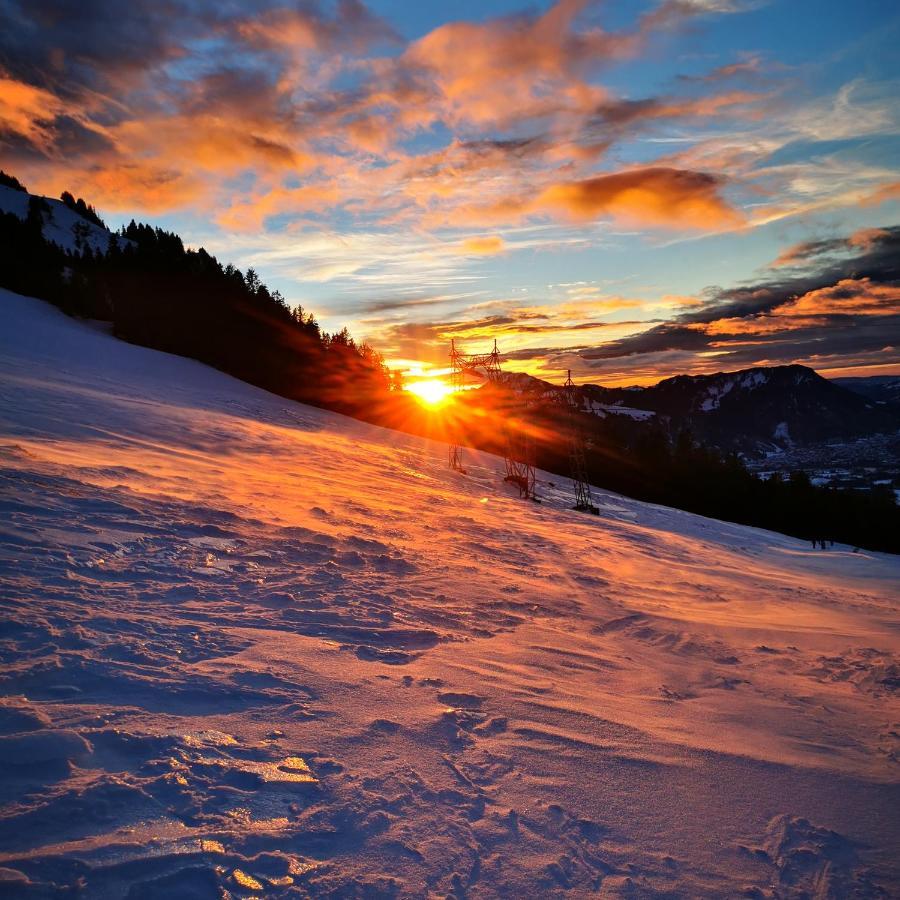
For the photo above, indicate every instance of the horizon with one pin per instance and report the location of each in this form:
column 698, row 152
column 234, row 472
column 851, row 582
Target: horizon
column 629, row 192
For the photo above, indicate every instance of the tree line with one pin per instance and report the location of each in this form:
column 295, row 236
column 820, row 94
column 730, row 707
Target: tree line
column 159, row 294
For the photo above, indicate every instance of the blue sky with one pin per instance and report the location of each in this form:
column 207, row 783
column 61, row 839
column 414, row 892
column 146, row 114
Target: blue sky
column 604, row 187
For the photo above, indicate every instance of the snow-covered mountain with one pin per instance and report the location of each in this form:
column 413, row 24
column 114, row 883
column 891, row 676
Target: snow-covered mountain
column 252, row 648
column 765, row 408
column 754, row 411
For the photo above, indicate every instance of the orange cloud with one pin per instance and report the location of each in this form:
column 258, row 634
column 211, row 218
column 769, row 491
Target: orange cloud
column 867, row 238
column 850, row 296
column 587, row 302
column 212, row 143
column 483, row 246
column 286, row 93
column 250, row 212
column 353, row 27
column 516, row 66
column 796, row 253
column 890, row 191
column 655, row 196
column 754, row 325
column 372, row 134
column 28, row 111
column 126, row 186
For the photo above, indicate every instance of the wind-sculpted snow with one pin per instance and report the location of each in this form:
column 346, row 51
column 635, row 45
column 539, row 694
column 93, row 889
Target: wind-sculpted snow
column 249, row 648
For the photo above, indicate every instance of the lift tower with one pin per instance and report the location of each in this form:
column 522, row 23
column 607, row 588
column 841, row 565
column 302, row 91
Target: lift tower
column 518, row 451
column 583, row 500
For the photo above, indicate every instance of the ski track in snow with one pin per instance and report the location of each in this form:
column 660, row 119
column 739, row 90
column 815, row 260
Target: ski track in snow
column 253, row 648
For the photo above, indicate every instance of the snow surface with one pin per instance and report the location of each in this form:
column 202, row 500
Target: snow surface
column 715, row 392
column 254, row 647
column 601, row 409
column 782, row 433
column 63, row 226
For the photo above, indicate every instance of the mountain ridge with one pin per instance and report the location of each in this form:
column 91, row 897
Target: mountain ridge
column 754, row 411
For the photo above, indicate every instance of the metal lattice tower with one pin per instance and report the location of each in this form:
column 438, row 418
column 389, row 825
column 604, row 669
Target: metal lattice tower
column 583, row 500
column 518, row 450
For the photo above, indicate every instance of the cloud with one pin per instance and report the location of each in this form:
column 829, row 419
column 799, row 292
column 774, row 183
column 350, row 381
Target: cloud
column 483, row 246
column 429, row 341
column 194, row 94
column 307, row 27
column 751, row 66
column 865, row 239
column 842, row 299
column 518, row 66
column 652, row 196
column 886, row 192
column 88, row 48
column 850, row 296
column 27, row 112
column 515, row 325
column 128, row 185
column 404, row 304
column 276, row 92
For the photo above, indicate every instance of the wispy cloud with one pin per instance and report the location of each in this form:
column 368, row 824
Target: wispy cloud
column 842, row 297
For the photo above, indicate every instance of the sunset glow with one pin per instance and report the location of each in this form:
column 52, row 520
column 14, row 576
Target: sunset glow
column 431, row 392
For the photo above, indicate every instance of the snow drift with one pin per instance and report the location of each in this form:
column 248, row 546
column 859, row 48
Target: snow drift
column 252, row 647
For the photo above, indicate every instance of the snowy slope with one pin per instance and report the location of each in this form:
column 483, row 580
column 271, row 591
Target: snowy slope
column 255, row 647
column 62, row 226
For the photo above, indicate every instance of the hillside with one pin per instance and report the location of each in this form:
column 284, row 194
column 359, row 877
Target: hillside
column 882, row 389
column 62, row 225
column 762, row 409
column 257, row 647
column 154, row 291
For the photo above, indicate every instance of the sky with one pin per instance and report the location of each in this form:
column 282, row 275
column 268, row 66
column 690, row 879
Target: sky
column 629, row 190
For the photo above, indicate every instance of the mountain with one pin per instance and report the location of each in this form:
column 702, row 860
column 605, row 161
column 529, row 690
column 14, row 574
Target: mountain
column 758, row 410
column 754, row 411
column 254, row 648
column 154, row 291
column 880, row 389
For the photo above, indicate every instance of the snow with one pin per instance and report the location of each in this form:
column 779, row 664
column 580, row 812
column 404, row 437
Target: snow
column 715, row 392
column 254, row 647
column 752, row 380
column 42, row 746
column 601, row 409
column 782, row 433
column 63, row 226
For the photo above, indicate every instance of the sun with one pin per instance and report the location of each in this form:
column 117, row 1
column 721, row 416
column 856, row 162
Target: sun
column 431, row 392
